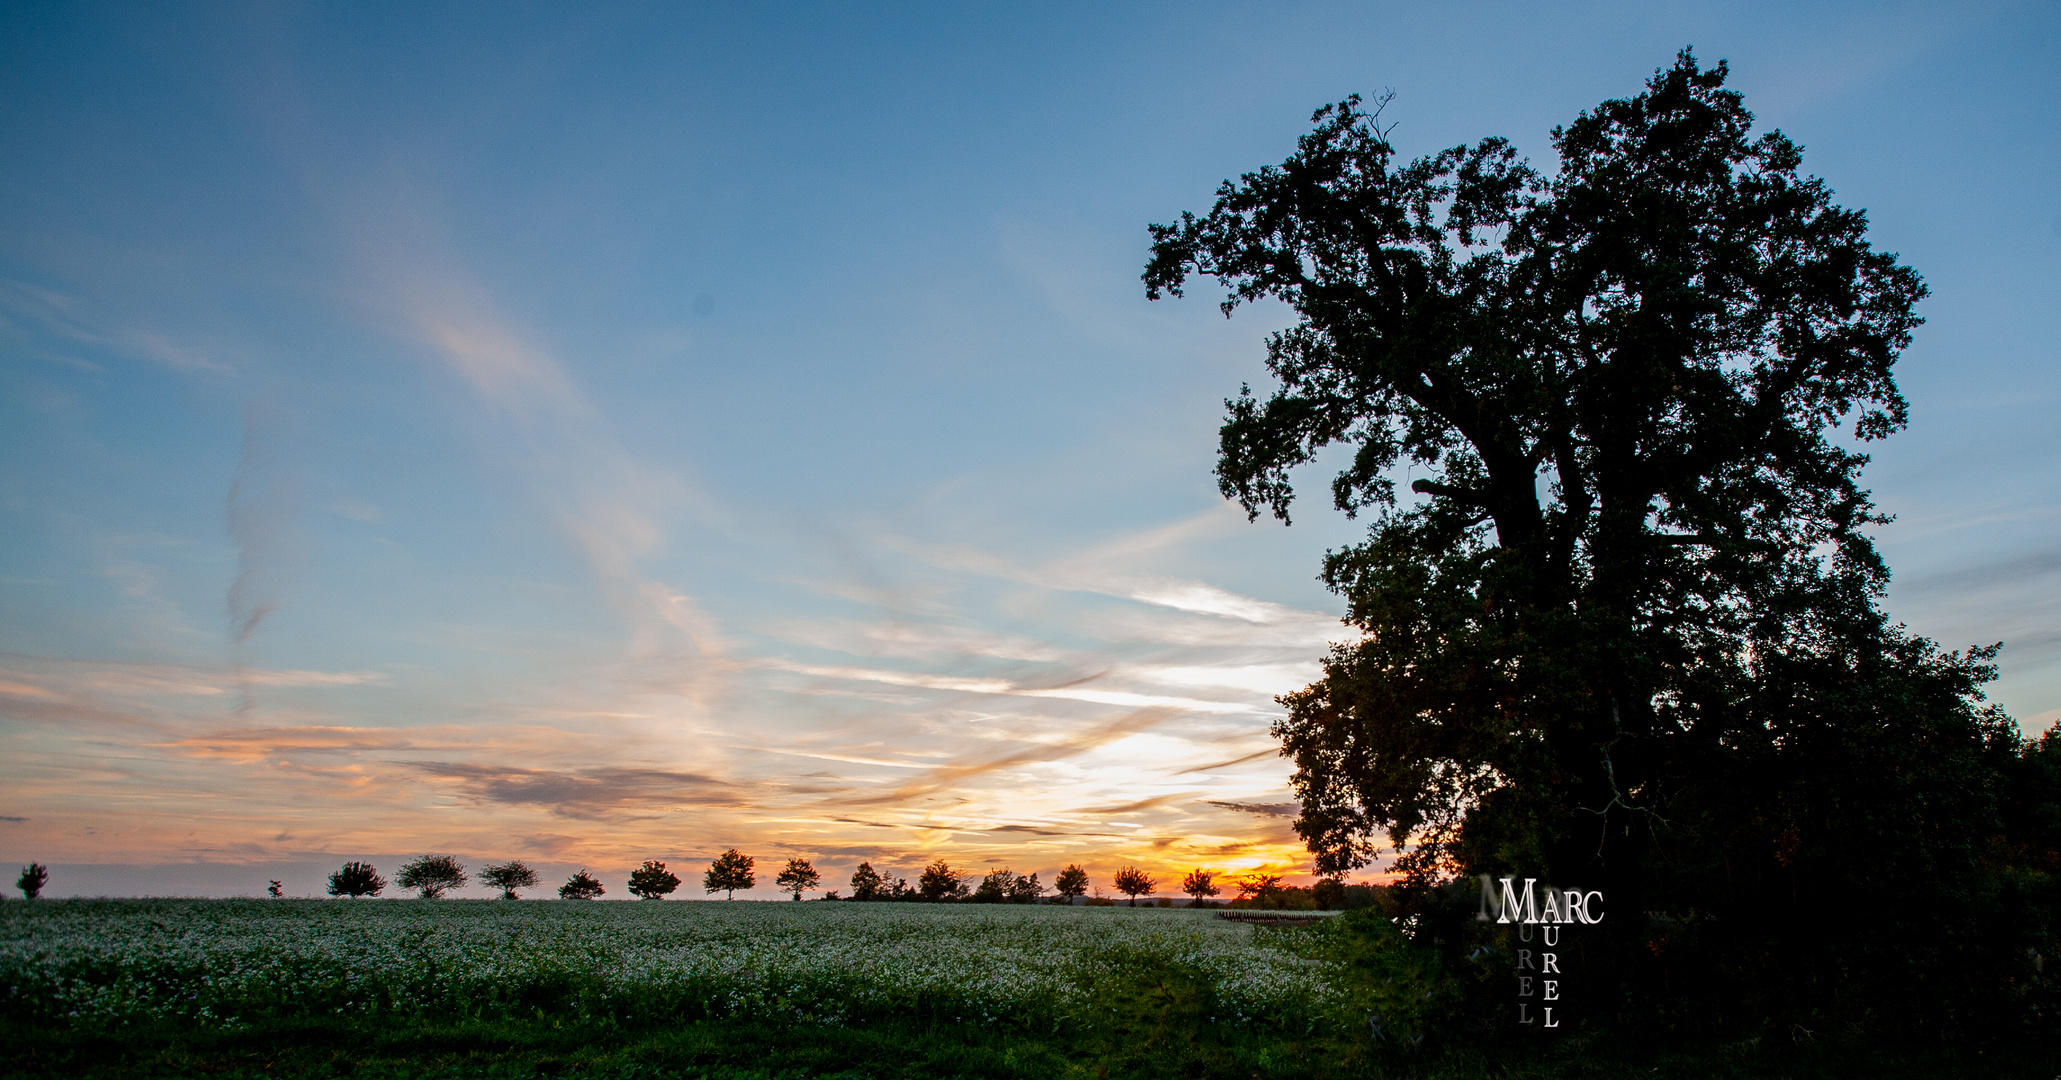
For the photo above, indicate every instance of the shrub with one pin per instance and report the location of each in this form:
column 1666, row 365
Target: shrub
column 581, row 886
column 33, row 877
column 356, row 879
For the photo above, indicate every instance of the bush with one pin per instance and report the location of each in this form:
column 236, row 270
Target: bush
column 356, row 879
column 581, row 886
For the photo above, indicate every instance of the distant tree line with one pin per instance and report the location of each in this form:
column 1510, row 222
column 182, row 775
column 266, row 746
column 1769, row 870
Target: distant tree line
column 431, row 876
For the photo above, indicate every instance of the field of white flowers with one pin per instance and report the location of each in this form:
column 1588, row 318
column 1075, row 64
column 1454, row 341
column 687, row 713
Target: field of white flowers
column 224, row 963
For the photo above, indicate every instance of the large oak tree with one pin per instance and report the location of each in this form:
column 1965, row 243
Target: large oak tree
column 1618, row 608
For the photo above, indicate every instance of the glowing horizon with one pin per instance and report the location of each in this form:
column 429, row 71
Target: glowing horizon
column 590, row 437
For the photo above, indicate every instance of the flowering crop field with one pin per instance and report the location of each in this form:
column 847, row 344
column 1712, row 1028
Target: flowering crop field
column 222, row 964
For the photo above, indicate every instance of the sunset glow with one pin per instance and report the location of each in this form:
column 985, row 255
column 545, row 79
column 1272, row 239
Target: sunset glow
column 601, row 438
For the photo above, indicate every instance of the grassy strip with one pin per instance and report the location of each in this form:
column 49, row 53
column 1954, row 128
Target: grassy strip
column 1152, row 1025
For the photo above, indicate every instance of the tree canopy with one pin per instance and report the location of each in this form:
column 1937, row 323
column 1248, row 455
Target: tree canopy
column 731, row 871
column 798, row 875
column 356, row 879
column 509, row 877
column 1621, row 626
column 431, row 876
column 941, row 882
column 581, row 886
column 867, row 882
column 652, row 881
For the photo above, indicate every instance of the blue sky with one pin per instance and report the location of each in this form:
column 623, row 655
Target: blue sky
column 593, row 436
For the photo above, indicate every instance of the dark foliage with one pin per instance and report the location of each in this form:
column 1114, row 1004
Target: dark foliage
column 431, row 876
column 1071, row 882
column 1134, row 883
column 798, row 876
column 652, row 881
column 1005, row 886
column 356, row 879
column 581, row 886
column 940, row 882
column 1026, row 889
column 1624, row 633
column 33, row 877
column 867, row 884
column 729, row 872
column 508, row 877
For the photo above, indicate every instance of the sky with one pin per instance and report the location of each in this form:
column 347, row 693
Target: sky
column 619, row 432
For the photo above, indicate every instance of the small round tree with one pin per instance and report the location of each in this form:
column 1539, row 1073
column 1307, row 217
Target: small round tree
column 508, row 877
column 653, row 881
column 33, row 877
column 581, row 886
column 432, row 876
column 1133, row 882
column 356, row 879
column 730, row 872
column 1071, row 882
column 799, row 875
column 1200, row 884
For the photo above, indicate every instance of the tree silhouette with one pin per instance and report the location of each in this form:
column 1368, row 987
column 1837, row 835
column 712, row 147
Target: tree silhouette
column 581, row 886
column 1200, row 884
column 996, row 887
column 940, row 882
column 275, row 890
column 356, row 879
column 432, row 875
column 798, row 876
column 653, row 881
column 1624, row 630
column 508, row 877
column 33, row 877
column 1071, row 882
column 1261, row 889
column 867, row 884
column 730, row 872
column 1133, row 882
column 1026, row 889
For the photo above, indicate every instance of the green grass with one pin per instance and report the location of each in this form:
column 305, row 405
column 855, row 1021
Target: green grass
column 749, row 991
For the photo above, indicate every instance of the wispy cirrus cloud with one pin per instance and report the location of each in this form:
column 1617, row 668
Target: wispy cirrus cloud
column 68, row 318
